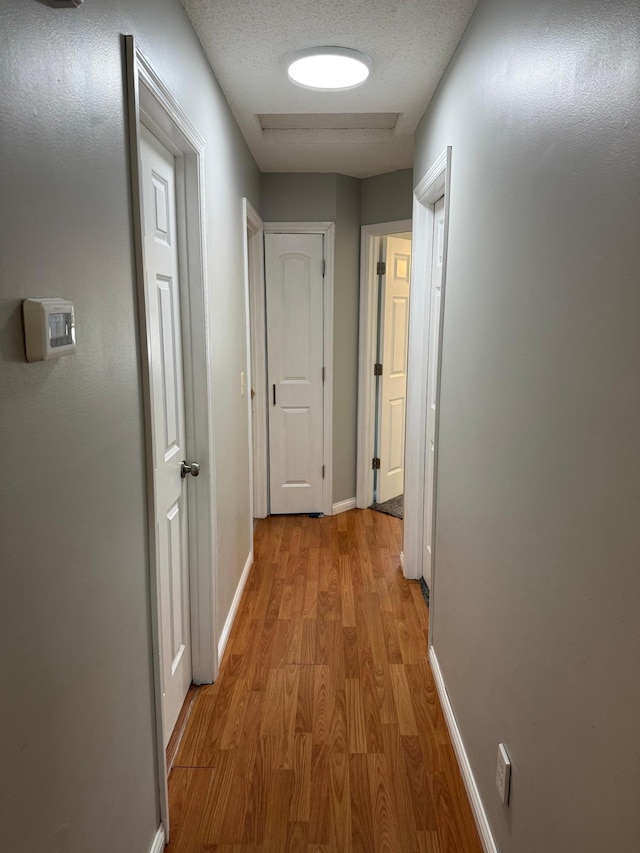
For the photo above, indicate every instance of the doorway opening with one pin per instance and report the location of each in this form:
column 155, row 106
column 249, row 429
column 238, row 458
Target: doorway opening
column 257, row 362
column 431, row 225
column 385, row 287
column 394, row 276
column 167, row 180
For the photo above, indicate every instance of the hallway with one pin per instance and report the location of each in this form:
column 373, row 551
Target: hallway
column 323, row 731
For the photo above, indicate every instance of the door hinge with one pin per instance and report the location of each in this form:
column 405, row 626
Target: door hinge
column 377, row 369
column 323, row 472
column 381, row 268
column 375, row 463
column 324, row 268
column 324, row 374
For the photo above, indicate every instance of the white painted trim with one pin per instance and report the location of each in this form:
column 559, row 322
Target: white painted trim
column 159, row 842
column 328, row 230
column 433, row 186
column 329, row 253
column 253, row 236
column 224, row 636
column 369, row 252
column 248, row 371
column 479, row 813
column 344, row 506
column 150, row 102
column 416, row 391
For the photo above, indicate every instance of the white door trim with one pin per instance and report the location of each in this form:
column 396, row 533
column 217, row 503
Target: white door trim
column 328, row 230
column 151, row 104
column 432, row 187
column 369, row 253
column 256, row 361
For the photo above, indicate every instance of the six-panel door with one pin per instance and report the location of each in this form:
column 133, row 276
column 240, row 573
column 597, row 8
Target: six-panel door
column 294, row 285
column 162, row 293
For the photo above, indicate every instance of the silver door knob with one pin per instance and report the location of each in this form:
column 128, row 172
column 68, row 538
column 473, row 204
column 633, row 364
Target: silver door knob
column 193, row 469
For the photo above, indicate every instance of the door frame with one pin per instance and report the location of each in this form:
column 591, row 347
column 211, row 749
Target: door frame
column 256, row 361
column 435, row 184
column 370, row 237
column 327, row 229
column 149, row 102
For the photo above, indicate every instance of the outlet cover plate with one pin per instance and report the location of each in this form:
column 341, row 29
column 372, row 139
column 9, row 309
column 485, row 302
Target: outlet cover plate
column 503, row 774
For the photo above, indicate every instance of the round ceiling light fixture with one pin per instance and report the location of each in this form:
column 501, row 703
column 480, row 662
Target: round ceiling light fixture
column 329, row 69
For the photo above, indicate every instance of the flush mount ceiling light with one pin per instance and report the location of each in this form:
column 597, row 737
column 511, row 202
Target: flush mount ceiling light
column 329, row 68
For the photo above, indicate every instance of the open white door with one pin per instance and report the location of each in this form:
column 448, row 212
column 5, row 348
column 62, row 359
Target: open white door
column 162, row 292
column 294, row 286
column 432, row 380
column 258, row 398
column 394, row 332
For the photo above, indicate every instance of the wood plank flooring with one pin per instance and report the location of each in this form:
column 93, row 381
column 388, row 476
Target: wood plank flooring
column 323, row 731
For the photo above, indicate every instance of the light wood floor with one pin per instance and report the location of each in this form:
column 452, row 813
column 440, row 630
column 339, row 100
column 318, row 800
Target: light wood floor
column 323, row 731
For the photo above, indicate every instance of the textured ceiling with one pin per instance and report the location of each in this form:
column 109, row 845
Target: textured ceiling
column 409, row 41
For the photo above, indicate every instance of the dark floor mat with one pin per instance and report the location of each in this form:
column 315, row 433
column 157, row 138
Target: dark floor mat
column 394, row 507
column 425, row 590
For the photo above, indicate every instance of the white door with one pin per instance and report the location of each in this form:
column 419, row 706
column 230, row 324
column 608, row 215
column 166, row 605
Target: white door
column 394, row 340
column 294, row 285
column 162, row 294
column 432, row 376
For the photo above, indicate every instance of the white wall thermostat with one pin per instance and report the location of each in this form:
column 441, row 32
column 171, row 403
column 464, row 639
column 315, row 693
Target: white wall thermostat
column 49, row 328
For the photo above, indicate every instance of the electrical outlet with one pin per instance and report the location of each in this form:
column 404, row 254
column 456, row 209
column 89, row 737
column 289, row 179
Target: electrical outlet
column 503, row 774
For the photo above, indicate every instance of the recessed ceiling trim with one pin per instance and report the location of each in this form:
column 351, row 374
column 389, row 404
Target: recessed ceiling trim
column 324, row 137
column 328, row 121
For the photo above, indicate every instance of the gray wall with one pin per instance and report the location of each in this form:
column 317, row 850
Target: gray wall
column 537, row 585
column 345, row 342
column 387, row 198
column 294, row 197
column 77, row 734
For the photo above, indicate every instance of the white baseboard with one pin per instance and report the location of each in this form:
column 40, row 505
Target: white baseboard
column 482, row 822
column 159, row 841
column 344, row 506
column 222, row 643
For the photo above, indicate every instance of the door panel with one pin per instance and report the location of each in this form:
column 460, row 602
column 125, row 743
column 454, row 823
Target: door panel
column 394, row 332
column 432, row 373
column 294, row 285
column 296, row 304
column 394, row 450
column 175, row 588
column 399, row 326
column 162, row 293
column 168, row 310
